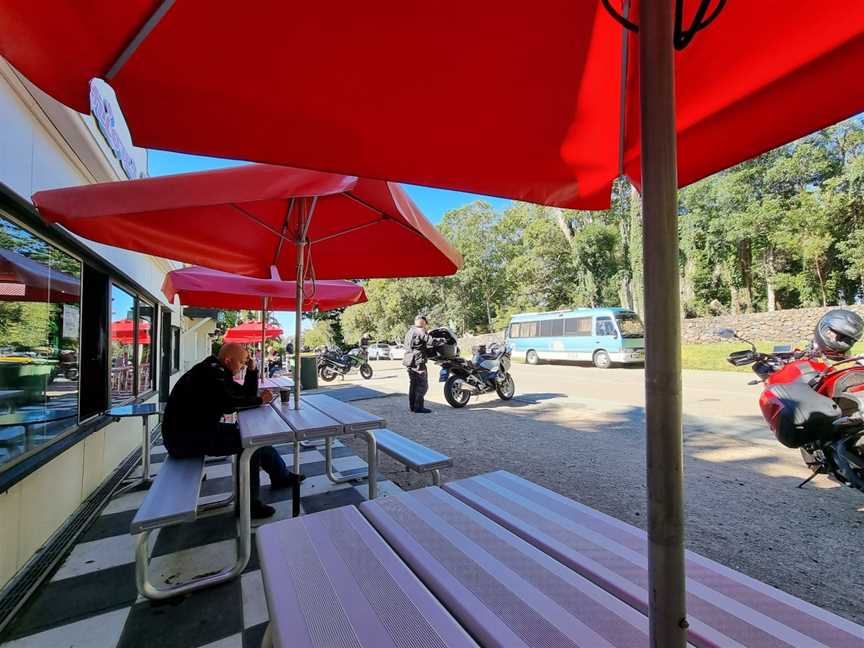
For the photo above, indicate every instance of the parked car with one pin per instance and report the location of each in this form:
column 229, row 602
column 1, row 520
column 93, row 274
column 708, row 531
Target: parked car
column 397, row 351
column 374, row 352
column 383, row 350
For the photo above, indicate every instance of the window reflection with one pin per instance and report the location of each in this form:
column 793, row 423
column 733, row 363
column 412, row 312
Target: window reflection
column 145, row 348
column 40, row 291
column 122, row 345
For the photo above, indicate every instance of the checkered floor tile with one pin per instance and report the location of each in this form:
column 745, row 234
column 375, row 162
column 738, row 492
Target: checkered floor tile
column 91, row 600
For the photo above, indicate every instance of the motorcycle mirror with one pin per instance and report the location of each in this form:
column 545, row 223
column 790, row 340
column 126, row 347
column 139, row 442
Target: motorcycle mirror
column 726, row 334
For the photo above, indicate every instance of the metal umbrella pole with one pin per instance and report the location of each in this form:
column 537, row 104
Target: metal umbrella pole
column 307, row 208
column 263, row 368
column 664, row 439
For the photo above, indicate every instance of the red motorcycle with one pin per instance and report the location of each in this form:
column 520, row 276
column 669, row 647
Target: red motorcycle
column 812, row 405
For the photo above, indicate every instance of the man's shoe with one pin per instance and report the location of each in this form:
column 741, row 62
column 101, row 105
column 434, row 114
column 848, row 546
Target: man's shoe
column 287, row 481
column 423, row 410
column 260, row 510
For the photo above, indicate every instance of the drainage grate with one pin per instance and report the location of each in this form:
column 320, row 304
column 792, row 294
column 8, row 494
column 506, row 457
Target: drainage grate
column 22, row 586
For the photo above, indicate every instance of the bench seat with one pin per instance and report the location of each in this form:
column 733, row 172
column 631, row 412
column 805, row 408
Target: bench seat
column 411, row 454
column 726, row 609
column 173, row 497
column 503, row 590
column 331, row 580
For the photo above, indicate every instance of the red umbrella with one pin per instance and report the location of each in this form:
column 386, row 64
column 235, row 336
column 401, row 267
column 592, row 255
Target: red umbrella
column 536, row 103
column 24, row 279
column 259, row 219
column 206, row 288
column 197, row 286
column 250, row 332
column 124, row 331
column 247, row 219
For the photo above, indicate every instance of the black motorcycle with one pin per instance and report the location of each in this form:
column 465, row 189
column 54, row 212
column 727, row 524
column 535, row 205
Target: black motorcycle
column 336, row 363
column 488, row 370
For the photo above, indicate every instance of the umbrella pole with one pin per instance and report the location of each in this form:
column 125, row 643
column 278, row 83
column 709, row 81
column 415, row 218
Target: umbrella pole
column 298, row 312
column 263, row 372
column 664, row 439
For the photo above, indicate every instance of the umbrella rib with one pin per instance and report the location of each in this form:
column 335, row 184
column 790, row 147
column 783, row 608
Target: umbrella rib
column 258, row 221
column 284, row 231
column 139, row 38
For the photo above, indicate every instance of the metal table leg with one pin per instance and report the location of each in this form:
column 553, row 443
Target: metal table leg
column 371, row 472
column 145, row 458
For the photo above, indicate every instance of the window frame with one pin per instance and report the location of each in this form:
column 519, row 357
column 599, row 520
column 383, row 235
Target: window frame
column 21, row 213
column 175, row 350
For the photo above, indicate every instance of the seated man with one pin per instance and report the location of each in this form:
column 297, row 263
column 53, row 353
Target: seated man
column 192, row 427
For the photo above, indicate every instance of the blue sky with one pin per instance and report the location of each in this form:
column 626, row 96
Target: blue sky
column 433, row 202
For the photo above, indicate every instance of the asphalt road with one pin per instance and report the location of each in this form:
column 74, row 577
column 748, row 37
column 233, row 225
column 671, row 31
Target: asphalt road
column 580, row 431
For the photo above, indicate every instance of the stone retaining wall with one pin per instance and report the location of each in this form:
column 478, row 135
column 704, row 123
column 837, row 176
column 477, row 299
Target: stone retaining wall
column 780, row 326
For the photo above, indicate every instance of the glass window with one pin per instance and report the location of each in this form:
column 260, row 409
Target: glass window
column 514, row 331
column 577, row 326
column 40, row 297
column 604, row 326
column 552, row 328
column 175, row 349
column 630, row 325
column 122, row 345
column 146, row 340
column 570, row 326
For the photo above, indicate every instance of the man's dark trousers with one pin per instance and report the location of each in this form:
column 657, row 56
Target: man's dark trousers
column 227, row 442
column 419, row 385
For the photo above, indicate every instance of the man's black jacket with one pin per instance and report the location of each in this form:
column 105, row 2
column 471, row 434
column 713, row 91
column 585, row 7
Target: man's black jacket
column 197, row 403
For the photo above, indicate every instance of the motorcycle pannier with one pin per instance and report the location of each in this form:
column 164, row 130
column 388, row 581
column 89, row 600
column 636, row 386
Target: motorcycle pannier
column 798, row 415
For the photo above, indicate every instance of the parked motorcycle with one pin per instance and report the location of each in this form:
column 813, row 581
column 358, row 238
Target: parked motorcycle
column 487, row 371
column 812, row 405
column 333, row 363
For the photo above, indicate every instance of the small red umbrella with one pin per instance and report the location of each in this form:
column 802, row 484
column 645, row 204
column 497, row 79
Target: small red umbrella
column 124, row 331
column 206, row 288
column 24, row 279
column 250, row 332
column 203, row 287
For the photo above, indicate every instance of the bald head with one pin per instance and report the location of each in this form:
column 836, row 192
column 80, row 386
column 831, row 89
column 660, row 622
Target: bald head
column 232, row 356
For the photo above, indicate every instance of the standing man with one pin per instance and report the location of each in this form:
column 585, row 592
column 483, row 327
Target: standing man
column 192, row 424
column 417, row 345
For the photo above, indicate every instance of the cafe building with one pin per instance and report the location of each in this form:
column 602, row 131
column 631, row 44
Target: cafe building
column 83, row 327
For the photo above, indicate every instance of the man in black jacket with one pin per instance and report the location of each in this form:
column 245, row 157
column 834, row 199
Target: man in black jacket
column 417, row 345
column 192, row 424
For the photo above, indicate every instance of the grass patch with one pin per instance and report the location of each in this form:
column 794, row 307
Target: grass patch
column 712, row 356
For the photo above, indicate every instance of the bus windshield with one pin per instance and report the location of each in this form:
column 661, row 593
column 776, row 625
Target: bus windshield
column 630, row 325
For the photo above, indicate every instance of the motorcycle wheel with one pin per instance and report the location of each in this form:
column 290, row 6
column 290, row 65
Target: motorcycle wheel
column 506, row 388
column 327, row 374
column 366, row 371
column 455, row 397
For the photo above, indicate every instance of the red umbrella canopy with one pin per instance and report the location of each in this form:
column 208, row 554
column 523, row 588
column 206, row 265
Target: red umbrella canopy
column 530, row 102
column 124, row 331
column 208, row 288
column 250, row 333
column 245, row 219
column 24, row 279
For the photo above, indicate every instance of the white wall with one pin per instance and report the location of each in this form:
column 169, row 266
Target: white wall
column 36, row 155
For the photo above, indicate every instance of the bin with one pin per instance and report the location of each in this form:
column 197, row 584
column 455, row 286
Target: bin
column 308, row 371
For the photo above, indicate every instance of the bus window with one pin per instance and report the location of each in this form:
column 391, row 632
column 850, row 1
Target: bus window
column 552, row 328
column 578, row 326
column 514, row 331
column 530, row 329
column 630, row 325
column 604, row 326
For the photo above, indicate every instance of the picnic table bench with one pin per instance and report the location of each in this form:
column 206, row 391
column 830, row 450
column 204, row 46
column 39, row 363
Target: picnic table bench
column 173, row 499
column 514, row 564
column 725, row 608
column 414, row 456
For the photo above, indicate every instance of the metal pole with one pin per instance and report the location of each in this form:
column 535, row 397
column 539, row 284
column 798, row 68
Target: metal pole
column 298, row 310
column 262, row 372
column 664, row 440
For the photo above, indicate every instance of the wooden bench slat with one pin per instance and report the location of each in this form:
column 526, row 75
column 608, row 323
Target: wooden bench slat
column 353, row 418
column 502, row 589
column 331, row 580
column 412, row 454
column 262, row 426
column 725, row 608
column 308, row 422
column 173, row 496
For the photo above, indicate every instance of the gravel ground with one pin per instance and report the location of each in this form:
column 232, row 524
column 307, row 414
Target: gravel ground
column 743, row 509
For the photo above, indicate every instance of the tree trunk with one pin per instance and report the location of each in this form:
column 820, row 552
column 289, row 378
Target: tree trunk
column 563, row 224
column 745, row 267
column 821, row 283
column 770, row 290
